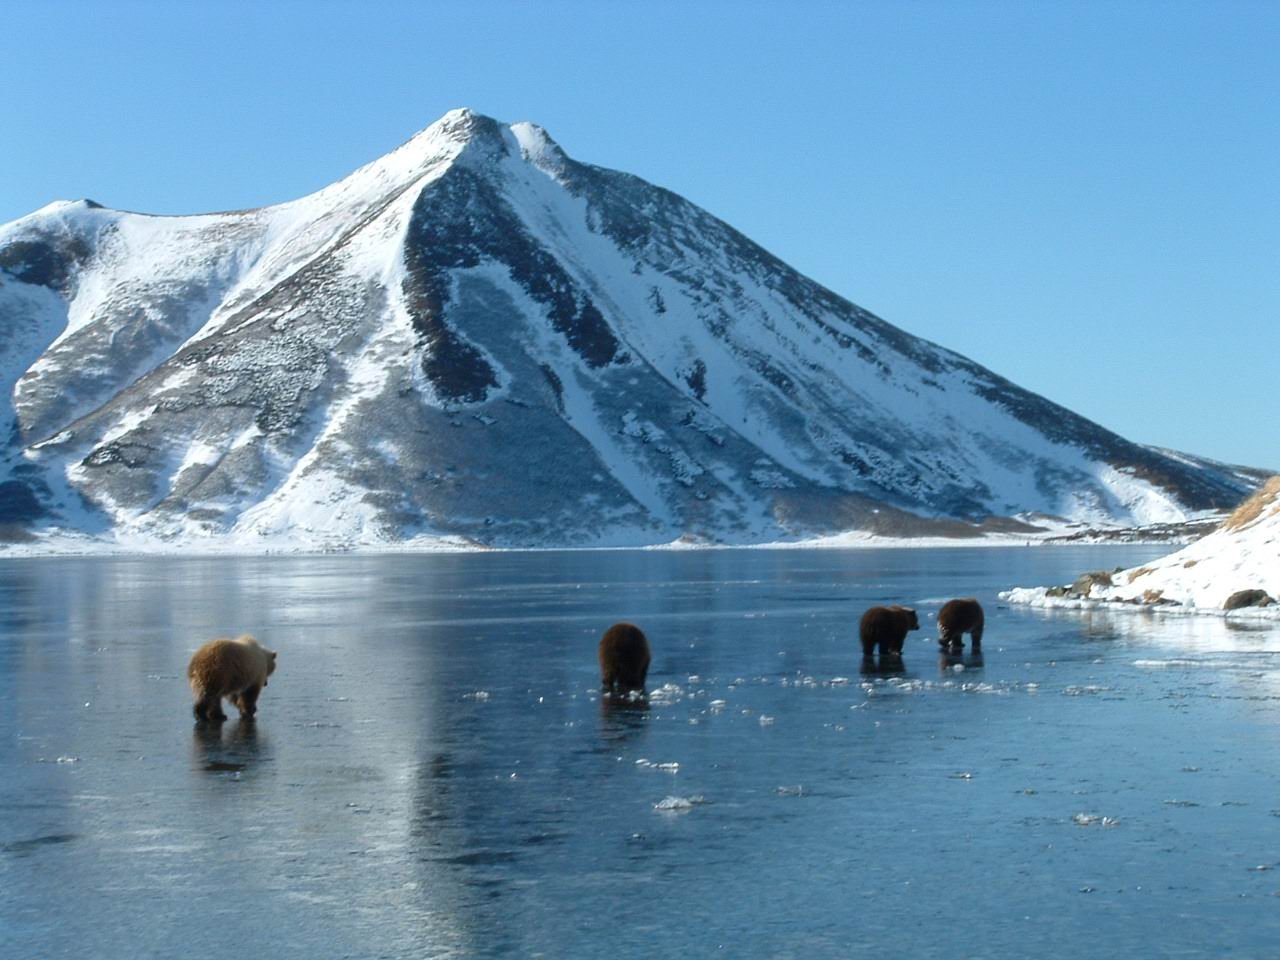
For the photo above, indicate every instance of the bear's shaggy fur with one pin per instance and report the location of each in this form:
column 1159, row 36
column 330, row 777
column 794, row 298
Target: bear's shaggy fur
column 624, row 658
column 236, row 669
column 956, row 618
column 886, row 627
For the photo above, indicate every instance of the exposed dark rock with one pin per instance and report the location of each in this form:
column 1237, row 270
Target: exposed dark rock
column 696, row 377
column 15, row 533
column 46, row 263
column 1248, row 598
column 18, row 503
column 131, row 455
column 460, row 221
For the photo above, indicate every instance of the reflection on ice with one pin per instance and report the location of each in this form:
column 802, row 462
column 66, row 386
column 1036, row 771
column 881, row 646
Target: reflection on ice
column 959, row 662
column 1185, row 634
column 437, row 775
column 227, row 748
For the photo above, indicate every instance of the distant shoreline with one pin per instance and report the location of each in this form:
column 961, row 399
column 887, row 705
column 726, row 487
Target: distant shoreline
column 70, row 546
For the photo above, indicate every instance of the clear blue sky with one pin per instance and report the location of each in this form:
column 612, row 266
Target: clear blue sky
column 1085, row 197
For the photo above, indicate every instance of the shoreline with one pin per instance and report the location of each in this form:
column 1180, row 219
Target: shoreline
column 75, row 547
column 1037, row 598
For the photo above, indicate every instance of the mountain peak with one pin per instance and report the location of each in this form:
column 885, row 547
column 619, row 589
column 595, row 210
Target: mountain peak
column 460, row 133
column 61, row 208
column 481, row 137
column 464, row 124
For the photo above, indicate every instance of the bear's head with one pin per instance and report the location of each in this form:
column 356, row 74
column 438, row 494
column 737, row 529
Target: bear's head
column 268, row 655
column 909, row 617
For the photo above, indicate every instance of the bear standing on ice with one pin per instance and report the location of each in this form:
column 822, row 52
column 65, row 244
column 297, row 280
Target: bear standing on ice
column 886, row 627
column 624, row 658
column 236, row 669
column 956, row 618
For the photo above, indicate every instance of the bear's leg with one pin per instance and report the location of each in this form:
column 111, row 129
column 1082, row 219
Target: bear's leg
column 209, row 707
column 976, row 634
column 900, row 643
column 952, row 641
column 247, row 702
column 627, row 681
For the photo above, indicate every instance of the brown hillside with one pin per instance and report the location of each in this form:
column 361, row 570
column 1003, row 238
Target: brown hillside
column 1268, row 495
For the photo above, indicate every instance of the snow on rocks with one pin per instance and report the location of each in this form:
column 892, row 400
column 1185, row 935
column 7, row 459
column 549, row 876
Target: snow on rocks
column 1234, row 571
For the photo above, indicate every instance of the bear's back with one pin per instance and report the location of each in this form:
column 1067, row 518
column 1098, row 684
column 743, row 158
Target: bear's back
column 887, row 621
column 225, row 662
column 961, row 614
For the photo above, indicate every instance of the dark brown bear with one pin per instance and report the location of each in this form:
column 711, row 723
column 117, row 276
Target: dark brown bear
column 956, row 618
column 887, row 627
column 624, row 658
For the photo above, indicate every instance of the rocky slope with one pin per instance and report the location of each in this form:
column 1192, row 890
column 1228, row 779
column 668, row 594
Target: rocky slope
column 477, row 337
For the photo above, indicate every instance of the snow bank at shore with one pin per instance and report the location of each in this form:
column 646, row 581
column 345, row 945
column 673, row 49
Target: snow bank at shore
column 1237, row 566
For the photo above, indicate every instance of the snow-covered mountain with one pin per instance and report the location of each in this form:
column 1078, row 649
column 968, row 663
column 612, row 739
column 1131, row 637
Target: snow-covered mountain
column 1234, row 568
column 477, row 337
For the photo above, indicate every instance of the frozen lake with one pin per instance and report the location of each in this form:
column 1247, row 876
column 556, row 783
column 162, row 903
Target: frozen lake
column 432, row 773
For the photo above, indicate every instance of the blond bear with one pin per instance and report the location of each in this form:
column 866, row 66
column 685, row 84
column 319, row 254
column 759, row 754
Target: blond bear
column 236, row 669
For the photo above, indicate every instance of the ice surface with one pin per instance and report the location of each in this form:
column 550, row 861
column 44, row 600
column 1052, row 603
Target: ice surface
column 433, row 772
